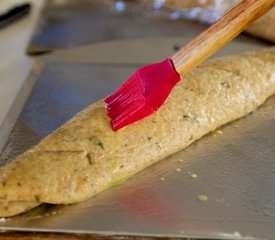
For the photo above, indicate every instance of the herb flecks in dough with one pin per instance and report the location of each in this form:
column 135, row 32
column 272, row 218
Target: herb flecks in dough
column 3, row 197
column 89, row 158
column 96, row 141
column 3, row 182
column 37, row 198
column 186, row 117
column 225, row 84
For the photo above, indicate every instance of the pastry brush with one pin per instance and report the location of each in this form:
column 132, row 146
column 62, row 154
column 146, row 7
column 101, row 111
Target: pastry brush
column 148, row 88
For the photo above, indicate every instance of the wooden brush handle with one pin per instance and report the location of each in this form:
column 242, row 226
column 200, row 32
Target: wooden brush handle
column 220, row 33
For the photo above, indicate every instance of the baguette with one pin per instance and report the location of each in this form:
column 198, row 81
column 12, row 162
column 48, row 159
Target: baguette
column 209, row 11
column 264, row 27
column 84, row 156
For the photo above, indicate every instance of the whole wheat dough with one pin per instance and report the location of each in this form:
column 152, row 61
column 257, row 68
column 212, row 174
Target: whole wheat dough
column 264, row 27
column 84, row 156
column 210, row 10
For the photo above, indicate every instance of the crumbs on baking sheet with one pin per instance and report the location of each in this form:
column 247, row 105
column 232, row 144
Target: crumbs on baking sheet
column 219, row 131
column 202, row 198
column 193, row 175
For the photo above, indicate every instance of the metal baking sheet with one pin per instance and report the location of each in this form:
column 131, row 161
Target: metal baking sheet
column 235, row 166
column 67, row 24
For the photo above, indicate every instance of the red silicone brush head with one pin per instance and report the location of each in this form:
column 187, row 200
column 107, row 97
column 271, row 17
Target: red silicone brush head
column 142, row 94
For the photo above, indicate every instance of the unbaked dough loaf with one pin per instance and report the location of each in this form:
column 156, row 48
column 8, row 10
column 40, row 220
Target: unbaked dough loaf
column 264, row 27
column 84, row 156
column 210, row 10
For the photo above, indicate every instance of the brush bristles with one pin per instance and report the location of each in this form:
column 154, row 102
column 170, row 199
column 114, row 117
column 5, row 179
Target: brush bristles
column 142, row 94
column 127, row 100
